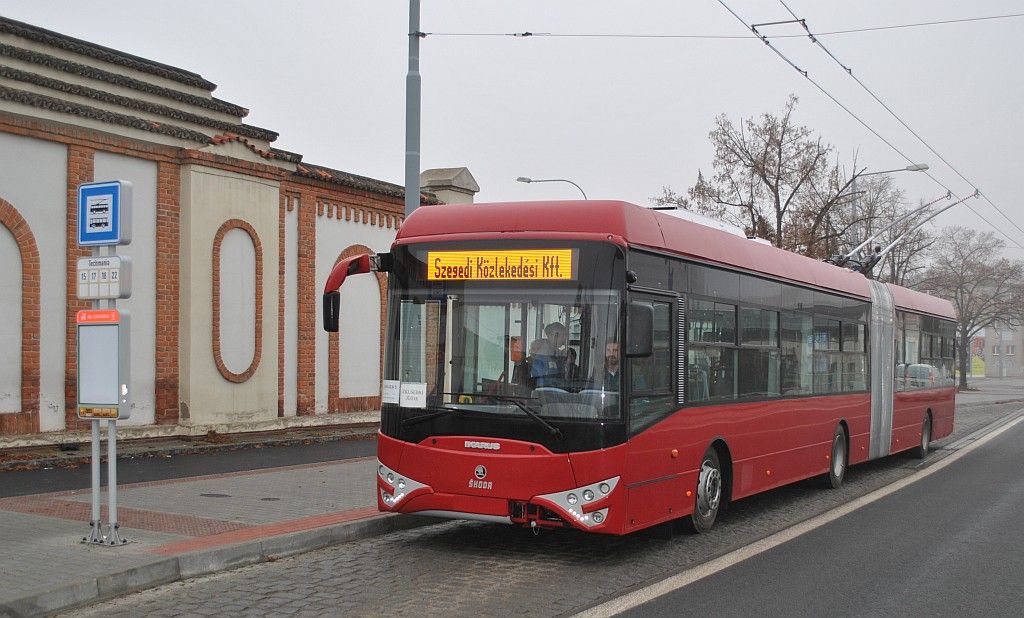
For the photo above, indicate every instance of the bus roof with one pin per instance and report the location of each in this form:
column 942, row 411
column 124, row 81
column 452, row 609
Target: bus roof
column 629, row 224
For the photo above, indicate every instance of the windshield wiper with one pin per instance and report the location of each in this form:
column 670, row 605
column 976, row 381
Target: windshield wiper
column 422, row 418
column 416, row 420
column 554, row 431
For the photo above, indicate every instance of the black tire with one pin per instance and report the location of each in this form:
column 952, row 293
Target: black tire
column 922, row 449
column 838, row 460
column 708, row 498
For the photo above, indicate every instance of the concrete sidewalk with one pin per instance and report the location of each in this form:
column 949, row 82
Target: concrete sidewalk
column 181, row 528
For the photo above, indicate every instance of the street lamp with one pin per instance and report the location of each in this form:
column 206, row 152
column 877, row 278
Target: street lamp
column 914, row 167
column 529, row 180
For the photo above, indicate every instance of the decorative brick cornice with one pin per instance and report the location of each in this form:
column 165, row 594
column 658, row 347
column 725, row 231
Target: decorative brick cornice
column 354, row 181
column 105, row 54
column 27, row 419
column 54, row 104
column 271, row 153
column 218, row 240
column 84, row 70
column 134, row 104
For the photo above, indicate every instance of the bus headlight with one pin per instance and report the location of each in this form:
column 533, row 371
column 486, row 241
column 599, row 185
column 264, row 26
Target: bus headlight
column 399, row 486
column 568, row 502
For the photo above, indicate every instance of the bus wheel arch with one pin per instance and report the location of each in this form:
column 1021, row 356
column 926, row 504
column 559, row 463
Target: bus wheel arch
column 714, row 488
column 924, row 444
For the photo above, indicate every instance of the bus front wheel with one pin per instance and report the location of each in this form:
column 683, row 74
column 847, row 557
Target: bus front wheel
column 709, row 494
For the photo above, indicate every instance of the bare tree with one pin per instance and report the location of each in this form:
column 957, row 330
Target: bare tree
column 773, row 178
column 983, row 287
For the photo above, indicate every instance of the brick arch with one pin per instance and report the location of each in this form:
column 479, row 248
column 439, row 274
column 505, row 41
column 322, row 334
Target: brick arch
column 337, row 403
column 26, row 421
column 218, row 240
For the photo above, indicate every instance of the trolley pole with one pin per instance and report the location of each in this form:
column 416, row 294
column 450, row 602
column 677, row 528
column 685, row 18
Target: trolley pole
column 412, row 112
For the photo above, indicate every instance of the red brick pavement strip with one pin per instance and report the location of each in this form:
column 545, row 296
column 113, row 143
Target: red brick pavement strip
column 252, row 533
column 185, row 525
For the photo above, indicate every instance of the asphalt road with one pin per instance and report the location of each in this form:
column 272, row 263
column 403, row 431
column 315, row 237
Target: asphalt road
column 951, row 544
column 156, row 468
column 477, row 569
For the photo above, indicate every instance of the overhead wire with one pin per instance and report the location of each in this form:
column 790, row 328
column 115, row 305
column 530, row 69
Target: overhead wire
column 721, row 36
column 849, row 71
column 853, row 115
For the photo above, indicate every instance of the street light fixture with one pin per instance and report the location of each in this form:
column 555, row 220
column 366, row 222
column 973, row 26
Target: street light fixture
column 529, row 180
column 914, row 167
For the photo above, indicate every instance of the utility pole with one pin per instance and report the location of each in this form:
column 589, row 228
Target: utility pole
column 412, row 112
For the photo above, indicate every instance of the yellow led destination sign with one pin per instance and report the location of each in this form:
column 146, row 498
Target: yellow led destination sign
column 505, row 265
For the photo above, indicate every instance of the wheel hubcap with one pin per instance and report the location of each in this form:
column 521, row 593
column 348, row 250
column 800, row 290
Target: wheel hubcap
column 709, row 489
column 838, row 456
column 926, row 435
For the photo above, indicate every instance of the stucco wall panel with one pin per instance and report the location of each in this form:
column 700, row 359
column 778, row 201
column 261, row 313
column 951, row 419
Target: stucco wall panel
column 211, row 197
column 33, row 178
column 361, row 304
column 237, row 300
column 10, row 325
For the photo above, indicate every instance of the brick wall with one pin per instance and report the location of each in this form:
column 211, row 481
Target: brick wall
column 27, row 420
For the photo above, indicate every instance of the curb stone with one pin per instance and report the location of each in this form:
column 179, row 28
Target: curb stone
column 206, row 562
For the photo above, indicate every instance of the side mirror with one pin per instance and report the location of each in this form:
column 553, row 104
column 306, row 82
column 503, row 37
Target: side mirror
column 332, row 307
column 639, row 330
column 354, row 265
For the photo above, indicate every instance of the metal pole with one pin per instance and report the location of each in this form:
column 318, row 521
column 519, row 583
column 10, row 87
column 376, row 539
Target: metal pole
column 113, row 537
column 94, row 522
column 412, row 112
column 95, row 536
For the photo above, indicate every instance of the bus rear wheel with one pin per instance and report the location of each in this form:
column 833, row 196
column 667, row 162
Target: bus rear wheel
column 922, row 449
column 709, row 494
column 837, row 460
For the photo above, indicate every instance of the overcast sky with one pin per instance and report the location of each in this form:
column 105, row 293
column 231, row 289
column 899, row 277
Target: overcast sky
column 622, row 117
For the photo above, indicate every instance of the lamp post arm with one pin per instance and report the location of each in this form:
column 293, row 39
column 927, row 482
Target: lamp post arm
column 529, row 180
column 577, row 186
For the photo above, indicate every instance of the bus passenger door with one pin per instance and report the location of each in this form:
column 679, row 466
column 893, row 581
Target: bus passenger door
column 654, row 486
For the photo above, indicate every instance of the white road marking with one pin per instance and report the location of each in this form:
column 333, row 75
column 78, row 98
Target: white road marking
column 671, row 584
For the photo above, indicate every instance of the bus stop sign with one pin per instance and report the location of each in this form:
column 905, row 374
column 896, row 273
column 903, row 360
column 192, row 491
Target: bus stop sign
column 104, row 213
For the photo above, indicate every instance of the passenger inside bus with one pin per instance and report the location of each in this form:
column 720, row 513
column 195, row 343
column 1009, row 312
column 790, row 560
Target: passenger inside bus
column 609, row 379
column 572, row 370
column 544, row 368
column 557, row 335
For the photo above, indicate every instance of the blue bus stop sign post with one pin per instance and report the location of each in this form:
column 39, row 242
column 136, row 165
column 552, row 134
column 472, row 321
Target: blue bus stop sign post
column 104, row 213
column 104, row 221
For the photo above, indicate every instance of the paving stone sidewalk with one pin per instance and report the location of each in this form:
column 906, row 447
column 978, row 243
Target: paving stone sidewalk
column 179, row 528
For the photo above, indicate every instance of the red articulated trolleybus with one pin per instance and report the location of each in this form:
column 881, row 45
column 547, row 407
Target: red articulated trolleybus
column 598, row 365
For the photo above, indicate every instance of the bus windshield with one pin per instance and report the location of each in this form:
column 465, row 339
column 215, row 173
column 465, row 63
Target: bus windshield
column 518, row 348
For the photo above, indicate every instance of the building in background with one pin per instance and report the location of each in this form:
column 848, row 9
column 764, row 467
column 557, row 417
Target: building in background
column 1003, row 346
column 232, row 239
